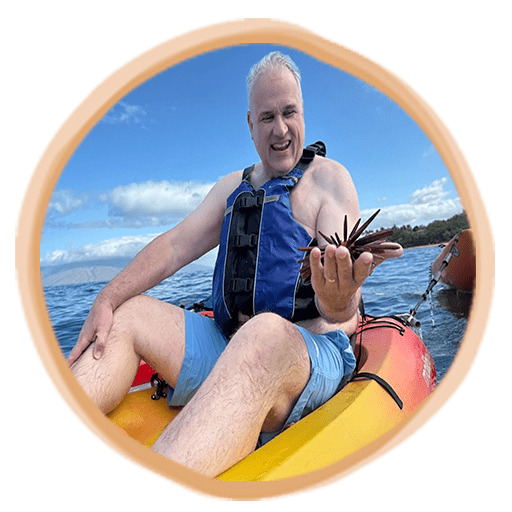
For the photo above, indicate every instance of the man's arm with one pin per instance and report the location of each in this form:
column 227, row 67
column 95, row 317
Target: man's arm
column 337, row 281
column 198, row 233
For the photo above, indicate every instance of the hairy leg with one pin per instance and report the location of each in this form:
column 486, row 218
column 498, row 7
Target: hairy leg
column 254, row 385
column 143, row 328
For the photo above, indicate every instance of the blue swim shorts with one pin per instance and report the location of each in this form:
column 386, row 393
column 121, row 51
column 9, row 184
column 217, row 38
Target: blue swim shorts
column 331, row 355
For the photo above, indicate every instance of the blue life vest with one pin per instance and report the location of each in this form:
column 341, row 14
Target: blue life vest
column 257, row 267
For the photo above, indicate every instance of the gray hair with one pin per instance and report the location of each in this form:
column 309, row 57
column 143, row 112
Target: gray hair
column 273, row 60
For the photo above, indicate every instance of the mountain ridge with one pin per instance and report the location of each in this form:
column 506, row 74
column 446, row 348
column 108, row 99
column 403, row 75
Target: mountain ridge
column 92, row 271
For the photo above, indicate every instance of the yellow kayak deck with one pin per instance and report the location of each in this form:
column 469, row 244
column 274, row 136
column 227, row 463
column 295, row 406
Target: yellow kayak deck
column 360, row 413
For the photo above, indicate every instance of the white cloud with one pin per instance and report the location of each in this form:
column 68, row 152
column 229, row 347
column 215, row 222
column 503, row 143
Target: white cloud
column 430, row 151
column 431, row 194
column 156, row 199
column 123, row 113
column 425, row 205
column 123, row 247
column 155, row 203
column 138, row 205
column 66, row 201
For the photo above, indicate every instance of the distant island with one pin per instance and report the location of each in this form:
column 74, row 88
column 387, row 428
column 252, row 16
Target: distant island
column 437, row 232
column 92, row 271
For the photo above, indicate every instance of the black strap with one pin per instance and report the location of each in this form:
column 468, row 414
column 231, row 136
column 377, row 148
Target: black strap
column 308, row 154
column 318, row 148
column 369, row 324
column 246, row 172
column 383, row 383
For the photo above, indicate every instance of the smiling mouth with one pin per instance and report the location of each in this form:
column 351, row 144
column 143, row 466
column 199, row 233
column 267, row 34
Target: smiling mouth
column 281, row 146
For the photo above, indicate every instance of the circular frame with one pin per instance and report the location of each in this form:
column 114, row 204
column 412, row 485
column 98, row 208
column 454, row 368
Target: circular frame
column 96, row 104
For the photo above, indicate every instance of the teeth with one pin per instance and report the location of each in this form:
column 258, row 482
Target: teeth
column 280, row 147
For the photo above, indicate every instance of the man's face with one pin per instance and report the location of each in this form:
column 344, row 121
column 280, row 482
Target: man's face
column 276, row 121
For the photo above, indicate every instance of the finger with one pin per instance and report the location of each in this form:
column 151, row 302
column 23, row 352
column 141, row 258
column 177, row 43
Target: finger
column 316, row 267
column 77, row 351
column 343, row 265
column 363, row 267
column 330, row 273
column 394, row 252
column 73, row 356
column 99, row 345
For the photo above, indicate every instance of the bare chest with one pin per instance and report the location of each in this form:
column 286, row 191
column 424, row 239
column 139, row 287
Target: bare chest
column 306, row 203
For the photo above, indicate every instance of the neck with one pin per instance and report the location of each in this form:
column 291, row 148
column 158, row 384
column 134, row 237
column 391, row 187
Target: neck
column 259, row 176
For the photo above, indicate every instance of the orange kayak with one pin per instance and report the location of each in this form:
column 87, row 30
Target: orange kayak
column 461, row 269
column 363, row 411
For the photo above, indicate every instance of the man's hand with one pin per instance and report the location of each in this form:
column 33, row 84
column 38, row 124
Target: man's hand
column 96, row 329
column 337, row 281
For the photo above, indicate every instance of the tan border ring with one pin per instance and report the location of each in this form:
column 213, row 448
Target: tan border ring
column 97, row 105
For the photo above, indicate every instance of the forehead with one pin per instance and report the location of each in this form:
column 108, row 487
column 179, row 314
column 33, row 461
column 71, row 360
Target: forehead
column 274, row 89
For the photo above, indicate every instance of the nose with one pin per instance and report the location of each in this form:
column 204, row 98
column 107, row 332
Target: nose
column 280, row 126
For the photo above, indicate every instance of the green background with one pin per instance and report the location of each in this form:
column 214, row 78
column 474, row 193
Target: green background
column 55, row 52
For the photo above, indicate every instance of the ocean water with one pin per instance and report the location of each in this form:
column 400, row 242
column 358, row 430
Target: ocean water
column 394, row 288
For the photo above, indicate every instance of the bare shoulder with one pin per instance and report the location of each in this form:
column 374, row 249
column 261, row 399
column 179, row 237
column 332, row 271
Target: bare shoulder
column 330, row 181
column 233, row 178
column 326, row 172
column 335, row 190
column 200, row 230
column 210, row 212
column 227, row 184
column 325, row 191
column 218, row 195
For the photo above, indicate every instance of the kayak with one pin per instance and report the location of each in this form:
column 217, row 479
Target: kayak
column 394, row 375
column 460, row 271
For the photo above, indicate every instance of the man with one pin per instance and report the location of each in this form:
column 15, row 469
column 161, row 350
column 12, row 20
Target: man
column 264, row 363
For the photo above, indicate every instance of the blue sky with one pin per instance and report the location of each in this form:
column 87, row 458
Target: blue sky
column 156, row 154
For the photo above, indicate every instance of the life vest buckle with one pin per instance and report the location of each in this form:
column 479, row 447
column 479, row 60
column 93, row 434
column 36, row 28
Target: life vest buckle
column 242, row 285
column 250, row 201
column 245, row 240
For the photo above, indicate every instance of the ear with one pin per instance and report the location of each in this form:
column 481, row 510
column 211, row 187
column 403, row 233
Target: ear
column 250, row 123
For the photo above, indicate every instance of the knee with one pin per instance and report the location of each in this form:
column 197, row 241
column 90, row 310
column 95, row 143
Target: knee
column 264, row 331
column 127, row 315
column 272, row 352
column 269, row 337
